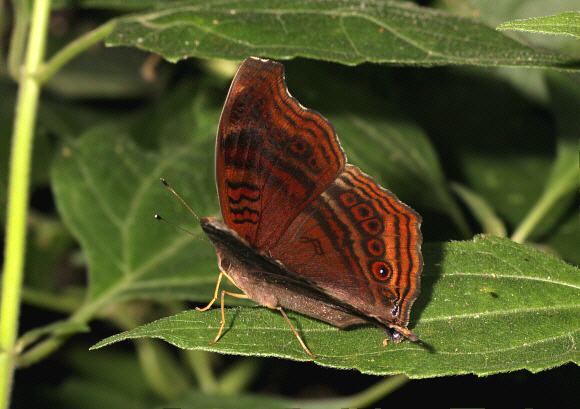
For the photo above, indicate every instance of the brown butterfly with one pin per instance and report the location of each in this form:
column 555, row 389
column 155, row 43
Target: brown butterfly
column 301, row 228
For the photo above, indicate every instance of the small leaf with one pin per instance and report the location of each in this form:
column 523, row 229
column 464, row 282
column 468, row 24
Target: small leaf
column 564, row 23
column 348, row 31
column 487, row 306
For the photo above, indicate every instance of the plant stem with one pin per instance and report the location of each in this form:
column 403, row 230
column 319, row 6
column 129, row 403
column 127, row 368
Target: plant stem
column 45, row 347
column 72, row 50
column 18, row 185
column 18, row 37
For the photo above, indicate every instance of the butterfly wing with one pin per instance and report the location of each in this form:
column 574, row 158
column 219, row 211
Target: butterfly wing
column 361, row 244
column 348, row 250
column 273, row 156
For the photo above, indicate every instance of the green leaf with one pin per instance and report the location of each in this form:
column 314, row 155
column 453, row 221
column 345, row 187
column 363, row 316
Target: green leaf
column 348, row 31
column 487, row 306
column 564, row 23
column 108, row 190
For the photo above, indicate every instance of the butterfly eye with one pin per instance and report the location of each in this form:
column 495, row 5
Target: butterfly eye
column 381, row 270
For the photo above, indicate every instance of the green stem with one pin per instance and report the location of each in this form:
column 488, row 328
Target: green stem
column 18, row 185
column 72, row 50
column 83, row 315
column 18, row 37
column 41, row 350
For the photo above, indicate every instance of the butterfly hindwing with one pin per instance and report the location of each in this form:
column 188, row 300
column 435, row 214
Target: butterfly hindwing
column 360, row 243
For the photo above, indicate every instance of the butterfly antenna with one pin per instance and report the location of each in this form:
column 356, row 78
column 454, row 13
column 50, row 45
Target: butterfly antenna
column 180, row 228
column 186, row 205
column 179, row 197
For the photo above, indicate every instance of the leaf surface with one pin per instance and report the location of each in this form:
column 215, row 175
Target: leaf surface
column 564, row 23
column 487, row 306
column 348, row 31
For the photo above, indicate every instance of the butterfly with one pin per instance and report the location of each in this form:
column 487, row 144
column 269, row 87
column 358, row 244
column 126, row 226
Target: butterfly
column 301, row 229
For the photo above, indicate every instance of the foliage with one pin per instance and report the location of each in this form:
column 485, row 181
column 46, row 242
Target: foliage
column 479, row 149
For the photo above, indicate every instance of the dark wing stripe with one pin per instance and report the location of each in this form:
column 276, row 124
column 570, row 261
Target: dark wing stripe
column 298, row 110
column 349, row 258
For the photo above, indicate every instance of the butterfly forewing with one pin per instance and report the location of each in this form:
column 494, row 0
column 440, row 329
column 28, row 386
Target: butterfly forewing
column 273, row 156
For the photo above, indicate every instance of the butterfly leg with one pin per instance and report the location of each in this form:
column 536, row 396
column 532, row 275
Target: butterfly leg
column 216, row 292
column 294, row 331
column 223, row 322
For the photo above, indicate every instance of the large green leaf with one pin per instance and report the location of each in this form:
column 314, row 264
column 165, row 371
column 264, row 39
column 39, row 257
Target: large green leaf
column 487, row 306
column 108, row 190
column 348, row 31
